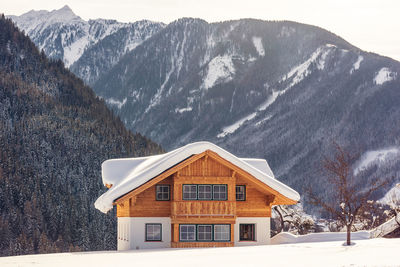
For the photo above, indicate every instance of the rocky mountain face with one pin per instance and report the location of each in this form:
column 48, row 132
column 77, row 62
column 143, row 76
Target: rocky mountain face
column 98, row 59
column 282, row 91
column 63, row 35
column 54, row 135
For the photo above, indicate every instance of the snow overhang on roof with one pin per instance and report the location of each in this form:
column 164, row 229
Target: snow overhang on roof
column 128, row 174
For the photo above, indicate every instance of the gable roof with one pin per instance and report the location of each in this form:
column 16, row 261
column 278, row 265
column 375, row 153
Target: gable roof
column 128, row 174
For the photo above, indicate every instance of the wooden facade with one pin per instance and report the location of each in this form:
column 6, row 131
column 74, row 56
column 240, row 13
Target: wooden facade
column 207, row 168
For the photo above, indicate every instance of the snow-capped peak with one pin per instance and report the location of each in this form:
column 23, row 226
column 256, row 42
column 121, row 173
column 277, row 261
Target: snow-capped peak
column 33, row 18
column 66, row 8
column 45, row 28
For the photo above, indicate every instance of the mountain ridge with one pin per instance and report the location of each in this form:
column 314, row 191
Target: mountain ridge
column 278, row 90
column 64, row 35
column 241, row 83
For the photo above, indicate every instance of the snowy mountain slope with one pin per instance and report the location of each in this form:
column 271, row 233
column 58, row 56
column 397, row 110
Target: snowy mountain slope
column 371, row 252
column 376, row 157
column 276, row 90
column 63, row 35
column 99, row 58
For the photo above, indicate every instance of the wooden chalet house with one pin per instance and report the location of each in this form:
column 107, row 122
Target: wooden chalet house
column 198, row 195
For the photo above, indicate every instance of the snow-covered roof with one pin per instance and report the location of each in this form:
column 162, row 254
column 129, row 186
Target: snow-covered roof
column 128, row 174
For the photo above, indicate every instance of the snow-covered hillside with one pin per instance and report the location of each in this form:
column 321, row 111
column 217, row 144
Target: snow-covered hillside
column 375, row 157
column 372, row 252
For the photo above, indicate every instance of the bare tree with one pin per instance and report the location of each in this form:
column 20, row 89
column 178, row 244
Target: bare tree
column 349, row 199
column 282, row 218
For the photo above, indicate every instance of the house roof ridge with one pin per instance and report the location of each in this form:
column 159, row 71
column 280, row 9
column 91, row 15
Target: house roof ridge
column 128, row 174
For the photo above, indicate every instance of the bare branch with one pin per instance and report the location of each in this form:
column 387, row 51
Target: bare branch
column 349, row 201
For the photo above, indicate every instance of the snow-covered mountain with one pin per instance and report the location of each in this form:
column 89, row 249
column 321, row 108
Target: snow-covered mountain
column 99, row 58
column 276, row 90
column 63, row 35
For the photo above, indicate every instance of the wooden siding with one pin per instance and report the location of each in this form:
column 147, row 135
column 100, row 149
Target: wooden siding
column 145, row 203
column 204, row 171
column 256, row 203
column 205, row 168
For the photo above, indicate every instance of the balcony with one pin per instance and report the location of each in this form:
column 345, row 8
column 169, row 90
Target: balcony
column 203, row 209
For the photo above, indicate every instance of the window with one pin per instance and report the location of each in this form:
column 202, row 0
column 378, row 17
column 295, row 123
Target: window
column 241, row 192
column 222, row 232
column 162, row 192
column 219, row 192
column 204, row 232
column 189, row 191
column 205, row 192
column 247, row 232
column 153, row 231
column 187, row 232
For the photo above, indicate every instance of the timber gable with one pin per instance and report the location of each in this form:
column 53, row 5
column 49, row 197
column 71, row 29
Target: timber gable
column 205, row 168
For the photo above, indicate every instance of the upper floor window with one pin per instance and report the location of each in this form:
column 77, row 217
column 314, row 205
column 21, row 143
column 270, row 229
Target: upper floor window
column 204, row 192
column 241, row 192
column 189, row 191
column 219, row 192
column 162, row 192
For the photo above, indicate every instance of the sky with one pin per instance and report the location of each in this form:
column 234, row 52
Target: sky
column 372, row 25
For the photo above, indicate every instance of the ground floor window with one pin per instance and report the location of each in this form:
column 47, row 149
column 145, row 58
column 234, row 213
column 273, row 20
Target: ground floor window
column 247, row 232
column 153, row 231
column 222, row 232
column 187, row 232
column 205, row 232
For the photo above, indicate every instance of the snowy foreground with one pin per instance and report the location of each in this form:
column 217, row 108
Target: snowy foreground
column 370, row 252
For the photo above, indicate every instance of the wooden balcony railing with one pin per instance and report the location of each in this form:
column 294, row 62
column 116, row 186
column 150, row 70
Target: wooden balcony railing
column 189, row 208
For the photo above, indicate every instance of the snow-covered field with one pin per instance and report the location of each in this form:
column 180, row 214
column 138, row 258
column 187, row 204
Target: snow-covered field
column 371, row 252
